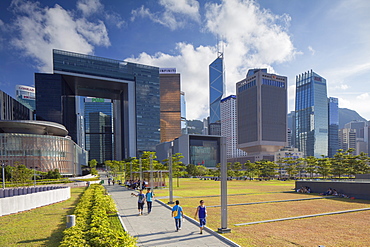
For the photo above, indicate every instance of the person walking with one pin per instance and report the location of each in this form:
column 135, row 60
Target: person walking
column 202, row 214
column 140, row 201
column 149, row 196
column 177, row 214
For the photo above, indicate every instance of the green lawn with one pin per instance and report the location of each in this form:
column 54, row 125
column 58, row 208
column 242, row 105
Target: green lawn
column 38, row 227
column 350, row 229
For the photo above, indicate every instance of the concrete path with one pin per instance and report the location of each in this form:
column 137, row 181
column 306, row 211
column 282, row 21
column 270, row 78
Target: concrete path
column 158, row 227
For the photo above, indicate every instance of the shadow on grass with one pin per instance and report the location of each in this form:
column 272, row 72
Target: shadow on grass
column 57, row 236
column 336, row 198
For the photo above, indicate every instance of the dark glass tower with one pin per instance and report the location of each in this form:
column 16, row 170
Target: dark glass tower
column 262, row 113
column 216, row 88
column 311, row 114
column 333, row 140
column 133, row 88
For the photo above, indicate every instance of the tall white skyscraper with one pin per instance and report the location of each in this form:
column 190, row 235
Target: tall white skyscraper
column 229, row 127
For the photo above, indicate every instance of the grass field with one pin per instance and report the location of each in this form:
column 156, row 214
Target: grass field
column 350, row 229
column 38, row 227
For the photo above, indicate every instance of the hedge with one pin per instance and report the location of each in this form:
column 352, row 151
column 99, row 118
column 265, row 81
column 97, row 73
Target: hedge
column 93, row 227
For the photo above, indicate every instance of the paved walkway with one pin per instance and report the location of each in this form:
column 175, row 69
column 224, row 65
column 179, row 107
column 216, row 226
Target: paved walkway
column 158, row 227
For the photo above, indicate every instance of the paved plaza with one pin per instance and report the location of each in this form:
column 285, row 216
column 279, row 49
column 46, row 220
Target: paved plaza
column 158, row 227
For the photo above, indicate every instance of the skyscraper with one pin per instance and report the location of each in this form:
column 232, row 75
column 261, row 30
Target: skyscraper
column 333, row 141
column 170, row 98
column 184, row 123
column 99, row 128
column 362, row 140
column 229, row 127
column 262, row 114
column 311, row 114
column 216, row 88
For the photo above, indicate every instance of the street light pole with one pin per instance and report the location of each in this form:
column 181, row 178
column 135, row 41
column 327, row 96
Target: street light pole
column 140, row 175
column 151, row 171
column 170, row 174
column 223, row 161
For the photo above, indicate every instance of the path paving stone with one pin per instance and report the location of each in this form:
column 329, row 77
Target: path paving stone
column 158, row 227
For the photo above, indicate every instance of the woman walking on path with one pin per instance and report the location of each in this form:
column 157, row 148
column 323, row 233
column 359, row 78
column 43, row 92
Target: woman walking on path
column 202, row 214
column 177, row 214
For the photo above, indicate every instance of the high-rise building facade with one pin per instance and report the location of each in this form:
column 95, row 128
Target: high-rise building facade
column 133, row 88
column 184, row 122
column 347, row 139
column 262, row 113
column 98, row 116
column 216, row 88
column 311, row 114
column 229, row 127
column 26, row 95
column 170, row 95
column 11, row 109
column 362, row 140
column 333, row 140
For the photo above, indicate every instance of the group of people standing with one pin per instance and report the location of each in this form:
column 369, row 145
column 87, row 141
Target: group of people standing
column 178, row 215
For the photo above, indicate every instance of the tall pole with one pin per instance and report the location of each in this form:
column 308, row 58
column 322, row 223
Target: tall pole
column 170, row 174
column 151, row 171
column 3, row 166
column 223, row 162
column 140, row 175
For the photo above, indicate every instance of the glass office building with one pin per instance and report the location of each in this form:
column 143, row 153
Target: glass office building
column 311, row 114
column 262, row 113
column 216, row 88
column 11, row 109
column 26, row 95
column 333, row 138
column 133, row 88
column 99, row 128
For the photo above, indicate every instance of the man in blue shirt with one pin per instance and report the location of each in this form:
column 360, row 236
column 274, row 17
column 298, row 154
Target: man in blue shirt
column 149, row 199
column 177, row 214
column 202, row 214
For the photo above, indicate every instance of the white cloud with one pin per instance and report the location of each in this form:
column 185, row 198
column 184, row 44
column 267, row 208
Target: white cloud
column 89, row 7
column 192, row 63
column 176, row 14
column 357, row 102
column 364, row 96
column 39, row 30
column 311, row 50
column 252, row 38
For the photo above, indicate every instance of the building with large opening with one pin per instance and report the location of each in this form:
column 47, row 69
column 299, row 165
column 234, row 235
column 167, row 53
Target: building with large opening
column 133, row 89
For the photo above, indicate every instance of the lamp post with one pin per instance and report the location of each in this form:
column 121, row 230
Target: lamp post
column 151, row 171
column 170, row 174
column 223, row 160
column 3, row 166
column 140, row 175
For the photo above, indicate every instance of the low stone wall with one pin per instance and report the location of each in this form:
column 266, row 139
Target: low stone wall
column 358, row 190
column 18, row 203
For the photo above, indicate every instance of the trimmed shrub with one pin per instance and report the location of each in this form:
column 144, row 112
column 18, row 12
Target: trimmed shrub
column 93, row 228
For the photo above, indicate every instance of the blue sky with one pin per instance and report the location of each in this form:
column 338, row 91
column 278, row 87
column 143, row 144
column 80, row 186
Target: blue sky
column 288, row 37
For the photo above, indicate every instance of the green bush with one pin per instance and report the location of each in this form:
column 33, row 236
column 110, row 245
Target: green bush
column 93, row 227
